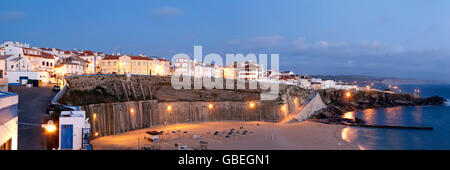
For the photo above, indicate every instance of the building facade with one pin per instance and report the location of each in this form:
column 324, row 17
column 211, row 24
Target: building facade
column 8, row 121
column 134, row 65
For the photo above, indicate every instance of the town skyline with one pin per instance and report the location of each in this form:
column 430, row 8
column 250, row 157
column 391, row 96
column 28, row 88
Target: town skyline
column 374, row 43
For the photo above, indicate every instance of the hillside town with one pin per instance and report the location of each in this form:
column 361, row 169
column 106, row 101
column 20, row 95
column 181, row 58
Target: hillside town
column 21, row 64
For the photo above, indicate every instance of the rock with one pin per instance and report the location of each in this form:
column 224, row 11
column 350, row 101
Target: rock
column 339, row 104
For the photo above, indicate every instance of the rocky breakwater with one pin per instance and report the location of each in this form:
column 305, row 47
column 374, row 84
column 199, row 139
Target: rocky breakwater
column 342, row 101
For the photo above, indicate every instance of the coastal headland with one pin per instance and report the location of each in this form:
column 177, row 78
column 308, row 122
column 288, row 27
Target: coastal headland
column 340, row 101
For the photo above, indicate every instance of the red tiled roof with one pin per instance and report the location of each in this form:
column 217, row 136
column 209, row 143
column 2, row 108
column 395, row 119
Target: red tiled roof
column 139, row 58
column 67, row 52
column 111, row 57
column 46, row 49
column 47, row 55
column 86, row 53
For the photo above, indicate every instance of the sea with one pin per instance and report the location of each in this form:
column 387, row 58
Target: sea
column 437, row 117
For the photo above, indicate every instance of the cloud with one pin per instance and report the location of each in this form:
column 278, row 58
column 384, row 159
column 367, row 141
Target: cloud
column 364, row 48
column 386, row 20
column 373, row 58
column 266, row 40
column 11, row 16
column 234, row 41
column 166, row 12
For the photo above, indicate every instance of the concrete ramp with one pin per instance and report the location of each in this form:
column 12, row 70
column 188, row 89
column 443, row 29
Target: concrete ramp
column 313, row 104
column 310, row 108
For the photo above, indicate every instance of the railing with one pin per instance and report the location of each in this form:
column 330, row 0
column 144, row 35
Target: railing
column 59, row 95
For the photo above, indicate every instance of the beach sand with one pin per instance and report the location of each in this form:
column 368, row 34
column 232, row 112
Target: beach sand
column 306, row 135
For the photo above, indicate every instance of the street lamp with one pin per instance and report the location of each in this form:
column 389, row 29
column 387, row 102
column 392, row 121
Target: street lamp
column 251, row 105
column 49, row 127
column 348, row 94
column 210, row 106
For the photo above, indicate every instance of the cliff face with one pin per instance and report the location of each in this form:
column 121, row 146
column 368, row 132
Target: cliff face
column 84, row 90
column 338, row 102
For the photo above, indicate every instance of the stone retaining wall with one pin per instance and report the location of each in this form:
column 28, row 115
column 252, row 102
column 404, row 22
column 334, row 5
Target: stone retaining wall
column 115, row 118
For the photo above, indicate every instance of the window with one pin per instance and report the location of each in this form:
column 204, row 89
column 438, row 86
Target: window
column 43, row 63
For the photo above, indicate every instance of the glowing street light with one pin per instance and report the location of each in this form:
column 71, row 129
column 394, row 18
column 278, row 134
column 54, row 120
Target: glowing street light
column 96, row 134
column 251, row 105
column 284, row 108
column 210, row 106
column 49, row 127
column 131, row 110
column 94, row 116
column 169, row 108
column 348, row 94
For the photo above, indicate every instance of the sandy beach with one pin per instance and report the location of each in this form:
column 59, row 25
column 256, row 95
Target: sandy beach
column 305, row 135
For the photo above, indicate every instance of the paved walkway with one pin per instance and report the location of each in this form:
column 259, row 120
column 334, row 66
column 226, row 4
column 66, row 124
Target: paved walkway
column 33, row 103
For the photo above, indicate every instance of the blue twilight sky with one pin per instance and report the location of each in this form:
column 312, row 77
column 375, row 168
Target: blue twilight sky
column 402, row 38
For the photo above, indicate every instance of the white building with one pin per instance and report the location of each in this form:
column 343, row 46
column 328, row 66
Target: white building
column 22, row 77
column 59, row 54
column 249, row 71
column 8, row 121
column 183, row 67
column 28, row 59
column 74, row 130
column 93, row 59
column 203, row 70
column 304, row 83
column 344, row 86
column 329, row 84
column 73, row 65
column 2, row 51
column 69, row 69
column 287, row 73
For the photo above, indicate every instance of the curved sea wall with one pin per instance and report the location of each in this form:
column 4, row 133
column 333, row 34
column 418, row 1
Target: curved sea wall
column 115, row 104
column 115, row 118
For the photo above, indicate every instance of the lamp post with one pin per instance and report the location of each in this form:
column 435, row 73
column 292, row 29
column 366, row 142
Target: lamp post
column 50, row 128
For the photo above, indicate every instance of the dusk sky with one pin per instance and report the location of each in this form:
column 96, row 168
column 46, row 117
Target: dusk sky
column 402, row 38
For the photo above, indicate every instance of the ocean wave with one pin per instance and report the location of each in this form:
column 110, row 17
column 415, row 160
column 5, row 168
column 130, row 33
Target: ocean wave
column 447, row 103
